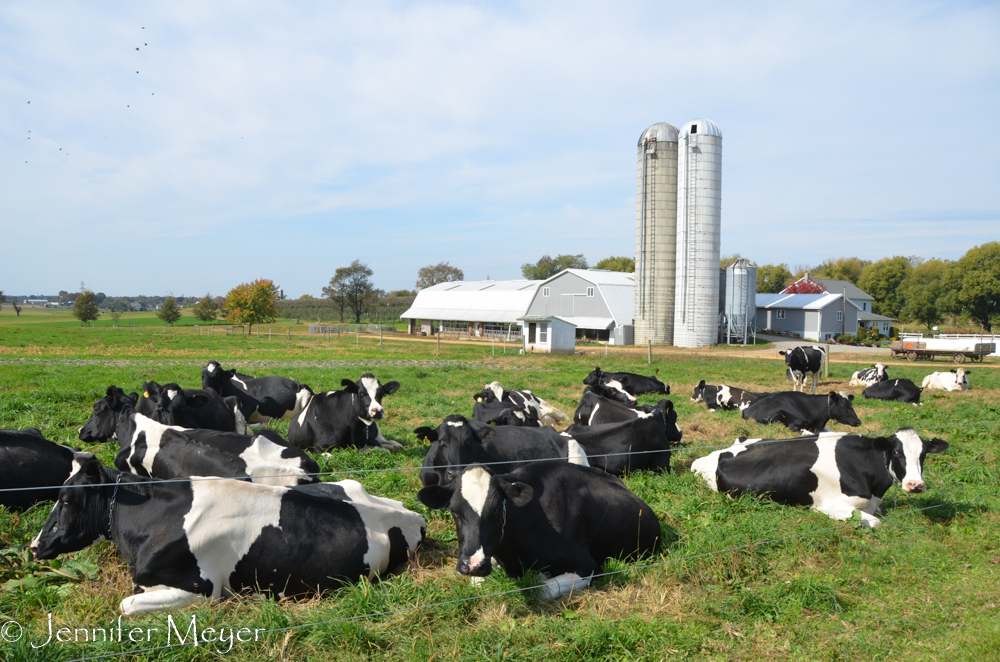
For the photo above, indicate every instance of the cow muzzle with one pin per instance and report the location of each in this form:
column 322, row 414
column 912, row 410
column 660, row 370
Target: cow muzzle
column 914, row 486
column 375, row 414
column 474, row 567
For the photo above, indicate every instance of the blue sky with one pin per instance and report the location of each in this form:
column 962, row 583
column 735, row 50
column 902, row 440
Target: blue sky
column 265, row 140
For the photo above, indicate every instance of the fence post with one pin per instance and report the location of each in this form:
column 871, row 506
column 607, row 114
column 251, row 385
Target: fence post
column 826, row 363
column 288, row 333
column 649, row 351
column 493, row 345
column 439, row 342
column 379, row 335
column 357, row 339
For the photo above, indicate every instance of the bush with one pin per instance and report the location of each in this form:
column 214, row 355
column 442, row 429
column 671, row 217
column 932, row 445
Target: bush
column 847, row 339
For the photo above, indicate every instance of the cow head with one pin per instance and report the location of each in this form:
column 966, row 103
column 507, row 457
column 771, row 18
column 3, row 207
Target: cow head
column 103, row 422
column 171, row 402
column 960, row 377
column 842, row 409
column 492, row 392
column 594, row 378
column 699, row 392
column 454, row 444
column 515, row 416
column 478, row 501
column 80, row 516
column 674, row 434
column 905, row 452
column 212, row 376
column 368, row 392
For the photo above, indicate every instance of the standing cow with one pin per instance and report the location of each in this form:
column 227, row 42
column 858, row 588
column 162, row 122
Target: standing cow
column 260, row 398
column 190, row 542
column 803, row 362
column 554, row 517
column 834, row 473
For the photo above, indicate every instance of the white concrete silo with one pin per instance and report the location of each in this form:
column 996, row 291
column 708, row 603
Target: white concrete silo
column 656, row 236
column 699, row 228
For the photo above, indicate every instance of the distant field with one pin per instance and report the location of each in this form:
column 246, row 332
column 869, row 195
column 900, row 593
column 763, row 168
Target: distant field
column 924, row 586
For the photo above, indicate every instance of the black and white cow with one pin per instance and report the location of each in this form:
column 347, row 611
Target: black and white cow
column 626, row 383
column 495, row 393
column 620, row 448
column 834, row 473
column 149, row 448
column 956, row 380
column 459, row 442
column 29, row 461
column 191, row 542
column 803, row 362
column 191, row 408
column 801, row 412
column 723, row 396
column 504, row 413
column 869, row 376
column 338, row 419
column 260, row 398
column 595, row 409
column 896, row 389
column 553, row 517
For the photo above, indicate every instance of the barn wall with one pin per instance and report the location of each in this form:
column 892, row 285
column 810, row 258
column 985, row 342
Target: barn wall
column 557, row 304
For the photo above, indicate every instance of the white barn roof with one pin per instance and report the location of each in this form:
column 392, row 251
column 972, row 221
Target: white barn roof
column 474, row 301
column 799, row 301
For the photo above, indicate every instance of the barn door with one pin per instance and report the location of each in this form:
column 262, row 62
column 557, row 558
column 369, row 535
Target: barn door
column 531, row 332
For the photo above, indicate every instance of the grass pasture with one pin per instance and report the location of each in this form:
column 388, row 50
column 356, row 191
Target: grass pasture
column 737, row 579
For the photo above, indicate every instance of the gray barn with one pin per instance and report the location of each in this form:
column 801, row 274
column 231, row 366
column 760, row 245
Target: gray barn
column 599, row 303
column 815, row 317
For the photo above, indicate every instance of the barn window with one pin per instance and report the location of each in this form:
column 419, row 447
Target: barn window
column 545, row 291
column 590, row 291
column 543, row 332
column 780, row 314
column 840, row 315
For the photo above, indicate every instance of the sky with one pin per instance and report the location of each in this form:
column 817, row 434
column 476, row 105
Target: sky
column 187, row 147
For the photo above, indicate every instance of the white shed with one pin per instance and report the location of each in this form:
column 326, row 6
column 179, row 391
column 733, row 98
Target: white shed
column 548, row 334
column 485, row 308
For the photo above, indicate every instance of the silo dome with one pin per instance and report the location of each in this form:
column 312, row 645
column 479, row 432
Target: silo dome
column 700, row 126
column 663, row 132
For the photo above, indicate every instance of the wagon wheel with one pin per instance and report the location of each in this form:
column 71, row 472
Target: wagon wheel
column 911, row 356
column 960, row 358
column 976, row 358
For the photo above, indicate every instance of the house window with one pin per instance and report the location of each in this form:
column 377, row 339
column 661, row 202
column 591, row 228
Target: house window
column 780, row 314
column 864, row 306
column 545, row 291
column 840, row 315
column 590, row 291
column 543, row 332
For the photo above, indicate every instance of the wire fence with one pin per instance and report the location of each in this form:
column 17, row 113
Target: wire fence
column 525, row 589
column 340, row 472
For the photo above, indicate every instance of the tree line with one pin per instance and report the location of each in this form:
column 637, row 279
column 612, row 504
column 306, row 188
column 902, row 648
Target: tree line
column 910, row 289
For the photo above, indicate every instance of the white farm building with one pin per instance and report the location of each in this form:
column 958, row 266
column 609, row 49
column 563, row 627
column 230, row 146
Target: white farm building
column 597, row 304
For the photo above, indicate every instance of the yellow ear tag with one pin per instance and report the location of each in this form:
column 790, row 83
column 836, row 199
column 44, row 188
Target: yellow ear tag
column 427, row 441
column 145, row 394
column 493, row 422
column 479, row 399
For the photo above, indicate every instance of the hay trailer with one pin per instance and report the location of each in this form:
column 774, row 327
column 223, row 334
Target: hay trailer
column 927, row 349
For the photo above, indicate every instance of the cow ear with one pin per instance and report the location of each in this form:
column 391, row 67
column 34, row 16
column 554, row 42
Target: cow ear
column 434, row 497
column 484, row 434
column 883, row 444
column 968, row 372
column 91, row 471
column 199, row 400
column 701, row 384
column 426, row 434
column 520, row 494
column 935, row 446
column 134, row 397
column 349, row 386
column 112, row 392
column 850, row 398
column 390, row 388
column 668, row 405
column 952, row 370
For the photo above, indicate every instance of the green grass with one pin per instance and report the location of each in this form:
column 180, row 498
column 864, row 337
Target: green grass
column 922, row 586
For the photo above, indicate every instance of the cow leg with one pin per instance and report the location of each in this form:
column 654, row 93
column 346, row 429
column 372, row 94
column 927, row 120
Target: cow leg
column 842, row 510
column 377, row 437
column 564, row 584
column 815, row 380
column 159, row 599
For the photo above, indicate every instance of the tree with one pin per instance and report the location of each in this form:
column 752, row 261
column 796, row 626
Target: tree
column 442, row 272
column 882, row 280
column 923, row 291
column 169, row 312
column 772, row 278
column 972, row 284
column 100, row 296
column 2, row 299
column 252, row 303
column 624, row 264
column 354, row 285
column 336, row 291
column 206, row 310
column 546, row 267
column 841, row 268
column 85, row 307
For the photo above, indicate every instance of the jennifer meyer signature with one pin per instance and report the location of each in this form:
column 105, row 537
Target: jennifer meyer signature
column 174, row 634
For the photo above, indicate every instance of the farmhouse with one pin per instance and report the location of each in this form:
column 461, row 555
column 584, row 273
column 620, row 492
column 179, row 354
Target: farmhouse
column 816, row 317
column 864, row 301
